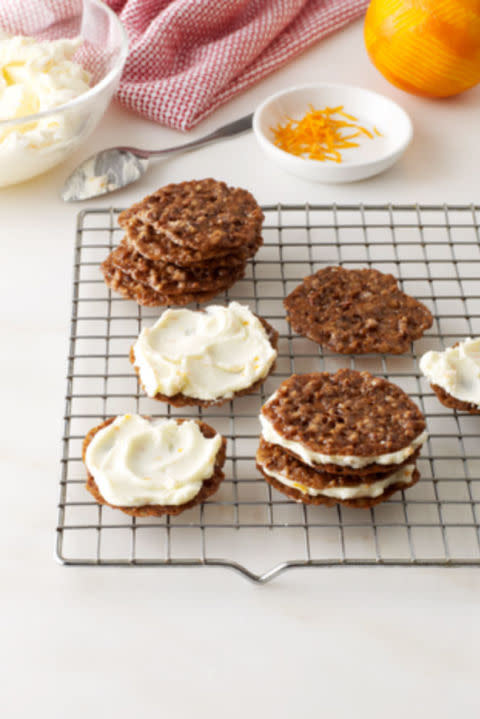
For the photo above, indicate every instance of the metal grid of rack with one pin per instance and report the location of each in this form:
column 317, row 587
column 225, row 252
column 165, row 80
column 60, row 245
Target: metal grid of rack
column 434, row 251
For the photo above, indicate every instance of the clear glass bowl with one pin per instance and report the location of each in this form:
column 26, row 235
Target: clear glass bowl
column 103, row 53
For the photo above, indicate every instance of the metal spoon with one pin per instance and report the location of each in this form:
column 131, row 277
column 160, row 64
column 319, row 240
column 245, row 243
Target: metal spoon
column 116, row 167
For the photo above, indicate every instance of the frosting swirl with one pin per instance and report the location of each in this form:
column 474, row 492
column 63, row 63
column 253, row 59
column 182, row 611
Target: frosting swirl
column 205, row 355
column 136, row 462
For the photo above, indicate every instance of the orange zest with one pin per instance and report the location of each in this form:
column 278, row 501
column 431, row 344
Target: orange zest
column 321, row 134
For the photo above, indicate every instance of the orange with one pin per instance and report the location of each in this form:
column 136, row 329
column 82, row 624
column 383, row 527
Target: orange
column 427, row 47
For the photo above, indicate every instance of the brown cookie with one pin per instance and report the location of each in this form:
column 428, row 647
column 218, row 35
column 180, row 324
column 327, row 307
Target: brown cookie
column 448, row 401
column 181, row 400
column 209, row 486
column 169, row 279
column 348, row 413
column 131, row 289
column 356, row 311
column 277, row 459
column 156, row 246
column 360, row 503
column 203, row 215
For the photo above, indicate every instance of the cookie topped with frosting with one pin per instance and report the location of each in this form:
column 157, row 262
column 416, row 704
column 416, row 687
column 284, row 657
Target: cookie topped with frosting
column 356, row 312
column 454, row 375
column 204, row 357
column 153, row 467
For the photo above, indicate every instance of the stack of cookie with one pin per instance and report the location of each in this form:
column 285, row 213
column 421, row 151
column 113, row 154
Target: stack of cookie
column 185, row 243
column 345, row 438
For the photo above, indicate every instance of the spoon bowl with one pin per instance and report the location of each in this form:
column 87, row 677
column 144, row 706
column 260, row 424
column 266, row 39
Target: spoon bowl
column 111, row 169
column 103, row 173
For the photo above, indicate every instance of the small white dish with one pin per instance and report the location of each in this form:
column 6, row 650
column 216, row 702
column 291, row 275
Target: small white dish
column 371, row 109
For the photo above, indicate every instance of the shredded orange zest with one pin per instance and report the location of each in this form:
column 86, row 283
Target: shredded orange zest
column 319, row 135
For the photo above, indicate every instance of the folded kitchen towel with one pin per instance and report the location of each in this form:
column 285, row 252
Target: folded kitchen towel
column 188, row 57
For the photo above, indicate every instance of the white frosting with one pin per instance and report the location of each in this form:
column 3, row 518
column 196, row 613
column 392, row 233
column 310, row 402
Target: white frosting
column 342, row 460
column 205, row 355
column 403, row 475
column 36, row 77
column 123, row 168
column 136, row 462
column 456, row 370
column 97, row 185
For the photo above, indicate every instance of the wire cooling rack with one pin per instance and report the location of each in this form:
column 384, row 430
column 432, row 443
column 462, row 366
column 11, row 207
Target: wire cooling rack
column 434, row 251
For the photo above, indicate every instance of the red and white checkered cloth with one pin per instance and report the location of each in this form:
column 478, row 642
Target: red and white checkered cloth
column 187, row 57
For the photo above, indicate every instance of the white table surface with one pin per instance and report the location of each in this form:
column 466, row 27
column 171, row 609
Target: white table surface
column 100, row 642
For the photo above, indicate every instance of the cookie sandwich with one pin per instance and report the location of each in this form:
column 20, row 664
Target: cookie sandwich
column 345, row 438
column 185, row 243
column 356, row 312
column 150, row 467
column 204, row 357
column 454, row 375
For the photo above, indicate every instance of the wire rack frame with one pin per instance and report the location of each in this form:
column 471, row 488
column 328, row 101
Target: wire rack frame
column 434, row 251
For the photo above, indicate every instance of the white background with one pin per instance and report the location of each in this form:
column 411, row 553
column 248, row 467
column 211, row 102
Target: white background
column 99, row 642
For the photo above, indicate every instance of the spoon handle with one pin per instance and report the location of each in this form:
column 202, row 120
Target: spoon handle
column 233, row 128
